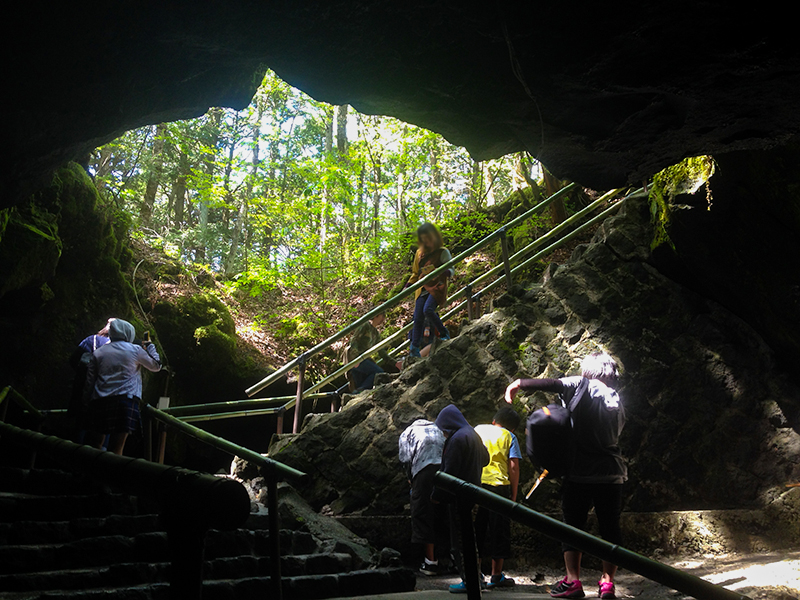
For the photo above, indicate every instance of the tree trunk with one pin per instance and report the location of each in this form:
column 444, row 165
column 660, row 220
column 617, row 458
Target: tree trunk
column 436, row 182
column 341, row 130
column 154, row 177
column 326, row 191
column 376, row 200
column 558, row 213
column 180, row 191
column 476, row 186
column 214, row 118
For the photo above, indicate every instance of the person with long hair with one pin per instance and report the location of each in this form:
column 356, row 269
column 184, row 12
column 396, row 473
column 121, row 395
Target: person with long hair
column 431, row 254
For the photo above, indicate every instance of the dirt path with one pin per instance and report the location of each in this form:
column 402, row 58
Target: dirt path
column 759, row 576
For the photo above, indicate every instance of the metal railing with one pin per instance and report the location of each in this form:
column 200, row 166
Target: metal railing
column 219, row 503
column 467, row 494
column 504, row 273
column 217, row 507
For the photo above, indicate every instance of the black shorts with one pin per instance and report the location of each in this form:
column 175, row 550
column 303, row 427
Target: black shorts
column 577, row 499
column 423, row 520
column 493, row 530
column 113, row 414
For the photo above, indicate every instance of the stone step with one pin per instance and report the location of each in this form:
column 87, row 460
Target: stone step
column 137, row 574
column 60, row 532
column 28, row 507
column 48, row 482
column 105, row 550
column 307, row 587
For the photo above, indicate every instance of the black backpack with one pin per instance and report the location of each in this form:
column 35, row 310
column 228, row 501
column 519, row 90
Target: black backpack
column 549, row 435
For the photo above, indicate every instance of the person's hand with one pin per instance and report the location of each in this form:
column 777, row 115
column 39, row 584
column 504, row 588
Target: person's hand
column 512, row 390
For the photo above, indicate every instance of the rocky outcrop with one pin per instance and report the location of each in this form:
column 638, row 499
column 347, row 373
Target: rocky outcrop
column 710, row 421
column 602, row 93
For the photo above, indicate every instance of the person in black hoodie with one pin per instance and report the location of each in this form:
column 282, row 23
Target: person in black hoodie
column 464, row 457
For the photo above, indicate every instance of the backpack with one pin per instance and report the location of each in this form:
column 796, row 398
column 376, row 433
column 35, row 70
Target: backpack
column 549, row 434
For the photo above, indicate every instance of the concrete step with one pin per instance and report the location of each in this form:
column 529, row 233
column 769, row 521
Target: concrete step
column 307, row 587
column 48, row 482
column 61, row 532
column 143, row 573
column 29, row 507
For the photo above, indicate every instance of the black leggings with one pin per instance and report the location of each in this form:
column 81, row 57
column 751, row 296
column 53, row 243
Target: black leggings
column 577, row 500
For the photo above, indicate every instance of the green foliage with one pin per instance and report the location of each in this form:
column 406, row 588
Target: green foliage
column 271, row 198
column 683, row 178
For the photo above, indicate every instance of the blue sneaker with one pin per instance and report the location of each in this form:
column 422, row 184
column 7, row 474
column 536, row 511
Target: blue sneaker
column 458, row 588
column 498, row 581
column 445, row 337
column 414, row 352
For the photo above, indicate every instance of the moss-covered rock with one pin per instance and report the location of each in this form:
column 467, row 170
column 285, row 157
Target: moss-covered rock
column 62, row 256
column 199, row 339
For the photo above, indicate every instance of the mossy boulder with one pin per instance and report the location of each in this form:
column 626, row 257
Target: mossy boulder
column 62, row 260
column 199, row 339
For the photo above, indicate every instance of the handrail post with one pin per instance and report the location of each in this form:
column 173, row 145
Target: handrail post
column 162, row 443
column 469, row 552
column 279, row 420
column 298, row 405
column 147, row 436
column 468, row 289
column 476, row 305
column 274, row 535
column 506, row 262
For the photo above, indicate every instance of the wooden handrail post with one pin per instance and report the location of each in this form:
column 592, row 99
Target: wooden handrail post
column 476, row 305
column 506, row 262
column 298, row 405
column 162, row 443
column 468, row 289
column 279, row 421
column 274, row 536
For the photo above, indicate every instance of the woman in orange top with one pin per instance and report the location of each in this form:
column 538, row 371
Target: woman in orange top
column 430, row 255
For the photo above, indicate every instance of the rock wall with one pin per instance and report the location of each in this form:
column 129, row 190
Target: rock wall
column 705, row 401
column 601, row 93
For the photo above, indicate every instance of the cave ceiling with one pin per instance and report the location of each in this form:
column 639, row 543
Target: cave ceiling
column 603, row 93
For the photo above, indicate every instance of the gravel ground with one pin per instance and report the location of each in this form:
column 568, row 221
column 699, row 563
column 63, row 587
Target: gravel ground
column 759, row 576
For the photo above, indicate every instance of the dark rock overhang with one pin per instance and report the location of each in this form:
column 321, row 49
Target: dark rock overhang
column 603, row 93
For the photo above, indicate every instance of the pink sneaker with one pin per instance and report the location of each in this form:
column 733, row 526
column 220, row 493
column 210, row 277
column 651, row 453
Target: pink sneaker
column 606, row 589
column 567, row 589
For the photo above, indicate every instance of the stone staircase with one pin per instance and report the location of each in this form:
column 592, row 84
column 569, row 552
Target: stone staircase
column 65, row 536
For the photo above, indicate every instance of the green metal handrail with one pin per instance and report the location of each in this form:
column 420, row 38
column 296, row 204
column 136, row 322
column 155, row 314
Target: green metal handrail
column 554, row 529
column 241, row 408
column 275, row 468
column 300, row 360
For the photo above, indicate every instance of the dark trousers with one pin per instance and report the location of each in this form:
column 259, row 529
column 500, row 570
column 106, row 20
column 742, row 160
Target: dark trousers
column 425, row 308
column 364, row 374
column 493, row 530
column 577, row 499
column 456, row 543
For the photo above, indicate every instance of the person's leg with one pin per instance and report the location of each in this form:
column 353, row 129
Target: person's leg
column 608, row 508
column 499, row 546
column 575, row 504
column 455, row 540
column 422, row 516
column 368, row 368
column 419, row 324
column 429, row 311
column 117, row 443
column 95, row 440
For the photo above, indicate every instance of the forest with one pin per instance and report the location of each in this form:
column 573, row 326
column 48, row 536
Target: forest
column 302, row 204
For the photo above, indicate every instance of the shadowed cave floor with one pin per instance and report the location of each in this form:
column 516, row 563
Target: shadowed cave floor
column 774, row 576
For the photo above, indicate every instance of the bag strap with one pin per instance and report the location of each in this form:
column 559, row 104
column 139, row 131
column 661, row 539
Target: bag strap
column 582, row 388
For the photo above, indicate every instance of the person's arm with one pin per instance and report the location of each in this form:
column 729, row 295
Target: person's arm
column 446, row 257
column 533, row 385
column 91, row 378
column 148, row 357
column 513, row 476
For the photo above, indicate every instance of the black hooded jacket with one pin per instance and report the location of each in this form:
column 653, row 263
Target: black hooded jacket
column 464, row 453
